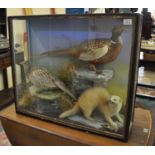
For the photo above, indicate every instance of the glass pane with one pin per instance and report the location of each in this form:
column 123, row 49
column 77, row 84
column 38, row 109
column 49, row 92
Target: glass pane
column 75, row 70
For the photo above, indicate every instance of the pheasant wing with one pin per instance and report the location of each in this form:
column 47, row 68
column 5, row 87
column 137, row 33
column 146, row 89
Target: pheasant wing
column 94, row 49
column 93, row 54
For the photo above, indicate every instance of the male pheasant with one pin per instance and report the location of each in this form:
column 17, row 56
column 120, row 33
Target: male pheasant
column 95, row 51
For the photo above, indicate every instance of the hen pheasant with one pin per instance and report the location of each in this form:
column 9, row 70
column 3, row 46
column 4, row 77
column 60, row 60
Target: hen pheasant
column 95, row 51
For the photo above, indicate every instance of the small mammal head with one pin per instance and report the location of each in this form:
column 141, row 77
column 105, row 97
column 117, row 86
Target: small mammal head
column 115, row 101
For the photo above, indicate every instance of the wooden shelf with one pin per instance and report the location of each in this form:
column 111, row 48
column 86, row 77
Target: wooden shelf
column 149, row 50
column 5, row 60
column 149, row 65
column 146, row 91
column 6, row 97
column 146, row 61
column 146, row 85
column 145, row 96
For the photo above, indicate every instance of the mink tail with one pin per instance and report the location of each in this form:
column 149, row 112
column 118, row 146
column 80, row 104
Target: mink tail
column 71, row 111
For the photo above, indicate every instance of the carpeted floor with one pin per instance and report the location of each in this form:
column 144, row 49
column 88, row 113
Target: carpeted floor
column 150, row 105
column 3, row 138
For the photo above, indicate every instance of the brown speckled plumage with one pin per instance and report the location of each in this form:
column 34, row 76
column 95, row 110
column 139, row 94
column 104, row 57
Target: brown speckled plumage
column 42, row 78
column 95, row 51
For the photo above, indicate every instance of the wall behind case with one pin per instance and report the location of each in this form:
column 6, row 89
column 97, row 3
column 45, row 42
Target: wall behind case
column 47, row 35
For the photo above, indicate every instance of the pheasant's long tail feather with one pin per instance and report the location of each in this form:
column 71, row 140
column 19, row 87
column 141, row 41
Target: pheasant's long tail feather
column 61, row 52
column 70, row 112
column 60, row 85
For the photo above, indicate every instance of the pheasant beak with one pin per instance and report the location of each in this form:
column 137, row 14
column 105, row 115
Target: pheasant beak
column 118, row 30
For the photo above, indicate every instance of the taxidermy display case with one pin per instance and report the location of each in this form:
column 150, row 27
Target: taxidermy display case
column 78, row 70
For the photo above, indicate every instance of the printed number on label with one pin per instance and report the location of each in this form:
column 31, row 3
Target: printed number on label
column 127, row 22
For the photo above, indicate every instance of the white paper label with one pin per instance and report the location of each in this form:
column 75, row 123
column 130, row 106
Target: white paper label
column 127, row 22
column 145, row 130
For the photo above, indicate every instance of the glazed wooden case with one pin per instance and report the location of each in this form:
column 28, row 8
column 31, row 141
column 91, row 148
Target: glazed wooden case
column 77, row 70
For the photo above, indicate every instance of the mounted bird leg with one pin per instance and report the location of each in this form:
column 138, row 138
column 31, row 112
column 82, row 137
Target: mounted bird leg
column 93, row 67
